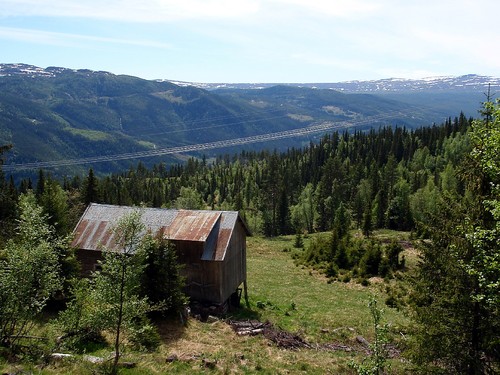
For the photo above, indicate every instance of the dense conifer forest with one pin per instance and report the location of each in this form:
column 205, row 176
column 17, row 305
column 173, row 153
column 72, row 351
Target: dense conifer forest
column 382, row 177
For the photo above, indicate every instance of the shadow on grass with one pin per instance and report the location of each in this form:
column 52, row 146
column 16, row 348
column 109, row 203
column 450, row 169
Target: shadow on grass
column 243, row 313
column 170, row 329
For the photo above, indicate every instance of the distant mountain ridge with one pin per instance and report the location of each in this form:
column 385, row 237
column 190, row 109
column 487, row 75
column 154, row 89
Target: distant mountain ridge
column 78, row 117
column 445, row 94
column 469, row 82
column 8, row 70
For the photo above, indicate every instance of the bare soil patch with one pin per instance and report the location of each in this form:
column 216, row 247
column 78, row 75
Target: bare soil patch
column 293, row 341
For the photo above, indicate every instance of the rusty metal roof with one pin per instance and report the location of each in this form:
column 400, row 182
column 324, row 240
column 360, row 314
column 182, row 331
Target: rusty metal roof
column 94, row 230
column 191, row 225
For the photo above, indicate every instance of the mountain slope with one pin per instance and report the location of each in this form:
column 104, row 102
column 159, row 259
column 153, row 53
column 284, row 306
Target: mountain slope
column 447, row 96
column 56, row 114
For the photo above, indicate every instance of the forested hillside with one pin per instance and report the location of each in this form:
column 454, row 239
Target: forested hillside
column 385, row 178
column 59, row 115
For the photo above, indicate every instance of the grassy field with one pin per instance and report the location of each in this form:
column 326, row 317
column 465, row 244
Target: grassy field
column 292, row 298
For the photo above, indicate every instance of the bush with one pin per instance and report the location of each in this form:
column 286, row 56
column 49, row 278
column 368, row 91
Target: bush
column 145, row 338
column 370, row 262
column 361, row 258
column 345, row 278
column 299, row 242
column 161, row 280
column 392, row 252
column 384, row 268
column 365, row 282
column 318, row 251
column 391, row 301
column 84, row 341
column 332, row 270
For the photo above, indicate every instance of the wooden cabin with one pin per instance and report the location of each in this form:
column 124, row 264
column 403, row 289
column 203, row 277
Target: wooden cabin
column 210, row 244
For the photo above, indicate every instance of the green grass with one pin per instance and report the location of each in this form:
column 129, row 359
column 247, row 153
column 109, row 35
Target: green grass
column 275, row 281
column 91, row 135
column 291, row 297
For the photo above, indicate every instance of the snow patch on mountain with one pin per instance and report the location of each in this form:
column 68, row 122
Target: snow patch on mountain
column 469, row 82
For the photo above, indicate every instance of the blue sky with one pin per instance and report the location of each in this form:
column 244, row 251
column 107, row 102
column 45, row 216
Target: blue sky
column 255, row 40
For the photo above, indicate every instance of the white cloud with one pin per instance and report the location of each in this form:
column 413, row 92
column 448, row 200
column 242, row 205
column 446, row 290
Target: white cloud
column 168, row 10
column 336, row 8
column 130, row 10
column 67, row 39
column 331, row 61
column 349, row 39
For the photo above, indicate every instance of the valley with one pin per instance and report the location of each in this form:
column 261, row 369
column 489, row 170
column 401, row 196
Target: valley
column 57, row 117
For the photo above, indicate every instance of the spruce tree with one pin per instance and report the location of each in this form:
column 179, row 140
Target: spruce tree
column 161, row 280
column 299, row 241
column 91, row 192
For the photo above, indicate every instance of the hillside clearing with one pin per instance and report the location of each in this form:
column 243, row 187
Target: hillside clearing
column 293, row 299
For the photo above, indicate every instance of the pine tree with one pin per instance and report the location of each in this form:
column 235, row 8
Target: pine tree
column 40, row 184
column 91, row 192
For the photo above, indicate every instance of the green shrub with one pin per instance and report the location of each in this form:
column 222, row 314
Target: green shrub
column 299, row 241
column 332, row 270
column 84, row 341
column 145, row 338
column 365, row 282
column 161, row 280
column 345, row 278
column 370, row 262
column 392, row 252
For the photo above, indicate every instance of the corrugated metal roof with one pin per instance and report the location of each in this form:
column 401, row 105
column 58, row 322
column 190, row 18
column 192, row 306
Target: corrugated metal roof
column 94, row 230
column 191, row 225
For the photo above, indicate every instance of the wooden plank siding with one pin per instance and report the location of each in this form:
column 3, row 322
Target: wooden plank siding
column 235, row 270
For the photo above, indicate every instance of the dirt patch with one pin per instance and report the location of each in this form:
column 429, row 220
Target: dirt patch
column 287, row 340
column 407, row 245
column 281, row 338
